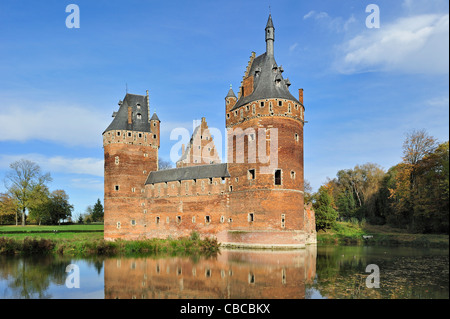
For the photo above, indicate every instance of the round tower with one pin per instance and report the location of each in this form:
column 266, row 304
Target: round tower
column 130, row 153
column 265, row 154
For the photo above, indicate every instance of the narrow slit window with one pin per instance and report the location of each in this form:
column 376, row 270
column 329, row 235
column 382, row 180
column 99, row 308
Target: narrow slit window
column 251, row 173
column 157, row 219
column 251, row 217
column 178, row 219
column 207, row 219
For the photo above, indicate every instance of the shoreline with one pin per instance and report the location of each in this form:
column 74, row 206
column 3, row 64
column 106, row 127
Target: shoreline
column 102, row 247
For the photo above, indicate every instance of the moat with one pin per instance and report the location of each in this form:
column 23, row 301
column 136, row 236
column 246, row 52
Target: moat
column 331, row 272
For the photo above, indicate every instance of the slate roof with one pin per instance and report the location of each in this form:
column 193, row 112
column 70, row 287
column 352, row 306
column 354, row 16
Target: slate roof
column 155, row 117
column 188, row 173
column 266, row 73
column 230, row 93
column 120, row 121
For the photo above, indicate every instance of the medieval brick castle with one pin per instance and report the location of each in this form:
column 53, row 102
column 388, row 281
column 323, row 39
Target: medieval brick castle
column 253, row 200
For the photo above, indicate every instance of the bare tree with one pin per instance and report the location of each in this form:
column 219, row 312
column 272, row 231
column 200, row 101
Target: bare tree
column 416, row 145
column 21, row 182
column 163, row 164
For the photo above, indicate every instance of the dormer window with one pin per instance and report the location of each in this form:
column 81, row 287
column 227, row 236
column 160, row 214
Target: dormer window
column 139, row 116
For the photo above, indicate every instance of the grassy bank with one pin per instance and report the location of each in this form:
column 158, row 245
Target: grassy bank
column 346, row 233
column 87, row 240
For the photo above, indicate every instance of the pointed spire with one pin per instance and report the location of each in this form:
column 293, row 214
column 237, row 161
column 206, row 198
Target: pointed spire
column 270, row 36
column 230, row 93
column 269, row 22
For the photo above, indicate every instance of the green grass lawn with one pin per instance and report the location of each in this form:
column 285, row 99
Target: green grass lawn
column 68, row 232
column 36, row 228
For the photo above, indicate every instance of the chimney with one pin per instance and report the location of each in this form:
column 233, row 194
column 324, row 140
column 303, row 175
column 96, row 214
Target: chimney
column 129, row 115
column 300, row 95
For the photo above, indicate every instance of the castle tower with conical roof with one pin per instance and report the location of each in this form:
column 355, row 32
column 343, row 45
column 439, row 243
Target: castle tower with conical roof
column 265, row 153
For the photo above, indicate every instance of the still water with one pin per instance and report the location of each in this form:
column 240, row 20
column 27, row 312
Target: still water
column 337, row 272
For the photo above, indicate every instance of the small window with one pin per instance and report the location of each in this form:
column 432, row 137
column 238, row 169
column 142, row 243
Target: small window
column 154, row 136
column 283, row 220
column 129, row 134
column 222, row 219
column 193, row 219
column 210, row 181
column 178, row 219
column 133, row 189
column 296, row 137
column 280, row 103
column 139, row 116
column 292, row 174
column 154, row 123
column 251, row 173
column 140, row 135
column 118, row 225
column 116, row 187
column 262, row 104
column 278, row 177
column 133, row 222
column 207, row 219
column 228, row 115
column 118, row 133
column 251, row 278
column 230, row 220
column 251, row 217
column 157, row 219
column 231, row 188
column 117, row 160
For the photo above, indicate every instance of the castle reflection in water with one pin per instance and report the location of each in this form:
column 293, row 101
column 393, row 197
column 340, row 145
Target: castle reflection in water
column 233, row 274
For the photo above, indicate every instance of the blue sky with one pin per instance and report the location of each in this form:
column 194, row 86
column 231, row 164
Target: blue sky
column 364, row 89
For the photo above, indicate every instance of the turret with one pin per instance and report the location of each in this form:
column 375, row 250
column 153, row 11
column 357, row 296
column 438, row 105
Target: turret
column 230, row 100
column 155, row 128
column 270, row 36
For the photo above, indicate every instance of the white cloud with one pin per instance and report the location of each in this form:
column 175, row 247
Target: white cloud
column 87, row 183
column 58, row 164
column 416, row 44
column 337, row 24
column 61, row 123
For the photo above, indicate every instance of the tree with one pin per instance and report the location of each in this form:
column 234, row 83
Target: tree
column 97, row 212
column 21, row 182
column 323, row 208
column 163, row 164
column 53, row 209
column 8, row 208
column 307, row 191
column 60, row 207
column 417, row 145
